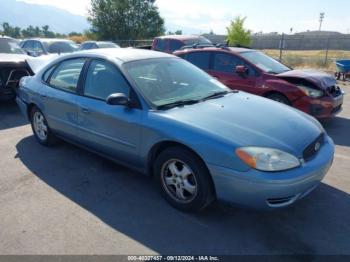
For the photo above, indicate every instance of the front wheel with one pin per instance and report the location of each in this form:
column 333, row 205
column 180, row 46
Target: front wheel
column 183, row 179
column 40, row 128
column 279, row 98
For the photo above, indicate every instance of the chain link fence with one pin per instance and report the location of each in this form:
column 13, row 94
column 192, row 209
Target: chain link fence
column 134, row 43
column 305, row 51
column 316, row 51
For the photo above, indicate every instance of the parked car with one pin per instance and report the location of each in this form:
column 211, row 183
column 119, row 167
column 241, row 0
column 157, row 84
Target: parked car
column 13, row 67
column 171, row 43
column 46, row 46
column 313, row 92
column 162, row 116
column 97, row 44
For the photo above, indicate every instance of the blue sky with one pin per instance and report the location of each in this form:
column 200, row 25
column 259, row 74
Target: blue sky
column 201, row 16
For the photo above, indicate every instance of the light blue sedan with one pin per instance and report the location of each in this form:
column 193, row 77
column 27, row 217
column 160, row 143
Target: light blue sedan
column 162, row 116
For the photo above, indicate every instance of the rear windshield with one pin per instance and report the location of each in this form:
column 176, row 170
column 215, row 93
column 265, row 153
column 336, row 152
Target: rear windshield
column 198, row 40
column 61, row 47
column 10, row 46
column 107, row 45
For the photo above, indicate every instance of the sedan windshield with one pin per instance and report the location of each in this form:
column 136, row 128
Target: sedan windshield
column 169, row 82
column 264, row 62
column 9, row 46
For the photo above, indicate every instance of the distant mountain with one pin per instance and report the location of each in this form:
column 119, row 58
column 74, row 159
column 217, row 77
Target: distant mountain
column 24, row 14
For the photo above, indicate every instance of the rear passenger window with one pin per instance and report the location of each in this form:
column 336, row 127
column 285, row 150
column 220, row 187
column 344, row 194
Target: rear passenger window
column 66, row 75
column 47, row 74
column 199, row 59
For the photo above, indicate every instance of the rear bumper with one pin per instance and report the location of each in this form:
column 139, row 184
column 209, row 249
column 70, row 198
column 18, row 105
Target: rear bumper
column 326, row 107
column 22, row 106
column 264, row 190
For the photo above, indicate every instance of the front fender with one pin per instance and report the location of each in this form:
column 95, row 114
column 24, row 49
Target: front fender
column 281, row 86
column 212, row 149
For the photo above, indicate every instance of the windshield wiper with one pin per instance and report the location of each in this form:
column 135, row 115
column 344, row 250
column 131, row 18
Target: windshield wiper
column 179, row 103
column 218, row 95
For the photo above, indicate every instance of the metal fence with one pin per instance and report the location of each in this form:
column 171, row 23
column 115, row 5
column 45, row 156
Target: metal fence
column 320, row 51
column 293, row 50
column 134, row 43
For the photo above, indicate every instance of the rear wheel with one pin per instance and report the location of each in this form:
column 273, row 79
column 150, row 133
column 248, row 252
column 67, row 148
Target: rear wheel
column 183, row 179
column 279, row 98
column 40, row 128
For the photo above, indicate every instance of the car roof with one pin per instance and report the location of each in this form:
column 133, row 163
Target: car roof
column 122, row 54
column 97, row 42
column 214, row 48
column 49, row 39
column 180, row 37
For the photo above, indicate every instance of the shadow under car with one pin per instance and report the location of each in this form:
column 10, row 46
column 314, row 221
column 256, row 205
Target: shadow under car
column 130, row 204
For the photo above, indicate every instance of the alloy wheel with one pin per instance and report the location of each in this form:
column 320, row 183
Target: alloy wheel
column 40, row 127
column 179, row 181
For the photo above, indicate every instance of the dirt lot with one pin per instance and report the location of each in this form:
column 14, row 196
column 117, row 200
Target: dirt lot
column 306, row 59
column 64, row 200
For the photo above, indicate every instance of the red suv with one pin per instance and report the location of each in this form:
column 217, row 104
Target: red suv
column 313, row 92
column 170, row 43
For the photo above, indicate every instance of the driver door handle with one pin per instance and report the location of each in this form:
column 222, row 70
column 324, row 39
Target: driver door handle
column 85, row 110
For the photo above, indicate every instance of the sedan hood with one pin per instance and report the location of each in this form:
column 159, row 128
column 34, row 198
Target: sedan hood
column 12, row 58
column 321, row 79
column 248, row 120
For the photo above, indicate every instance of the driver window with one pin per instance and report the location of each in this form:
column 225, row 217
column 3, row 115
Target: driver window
column 103, row 79
column 227, row 63
column 37, row 47
column 28, row 46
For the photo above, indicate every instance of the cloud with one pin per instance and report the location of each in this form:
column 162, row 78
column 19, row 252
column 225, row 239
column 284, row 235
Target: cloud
column 79, row 7
column 195, row 16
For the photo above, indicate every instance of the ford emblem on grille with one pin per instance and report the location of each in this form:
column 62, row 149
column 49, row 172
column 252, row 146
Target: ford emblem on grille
column 317, row 146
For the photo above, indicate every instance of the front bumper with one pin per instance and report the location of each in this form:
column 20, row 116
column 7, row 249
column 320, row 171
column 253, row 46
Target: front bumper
column 325, row 107
column 266, row 190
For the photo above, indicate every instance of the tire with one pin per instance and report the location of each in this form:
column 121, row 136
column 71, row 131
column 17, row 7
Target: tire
column 40, row 128
column 184, row 180
column 279, row 98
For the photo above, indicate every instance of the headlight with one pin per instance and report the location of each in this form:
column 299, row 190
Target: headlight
column 311, row 92
column 267, row 159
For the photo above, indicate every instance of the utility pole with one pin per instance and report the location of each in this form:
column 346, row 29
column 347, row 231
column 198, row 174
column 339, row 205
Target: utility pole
column 321, row 20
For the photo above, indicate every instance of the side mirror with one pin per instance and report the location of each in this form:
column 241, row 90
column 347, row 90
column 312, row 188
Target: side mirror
column 241, row 70
column 118, row 99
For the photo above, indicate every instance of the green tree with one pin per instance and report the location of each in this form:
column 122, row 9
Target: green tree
column 177, row 32
column 46, row 32
column 7, row 29
column 237, row 34
column 125, row 19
